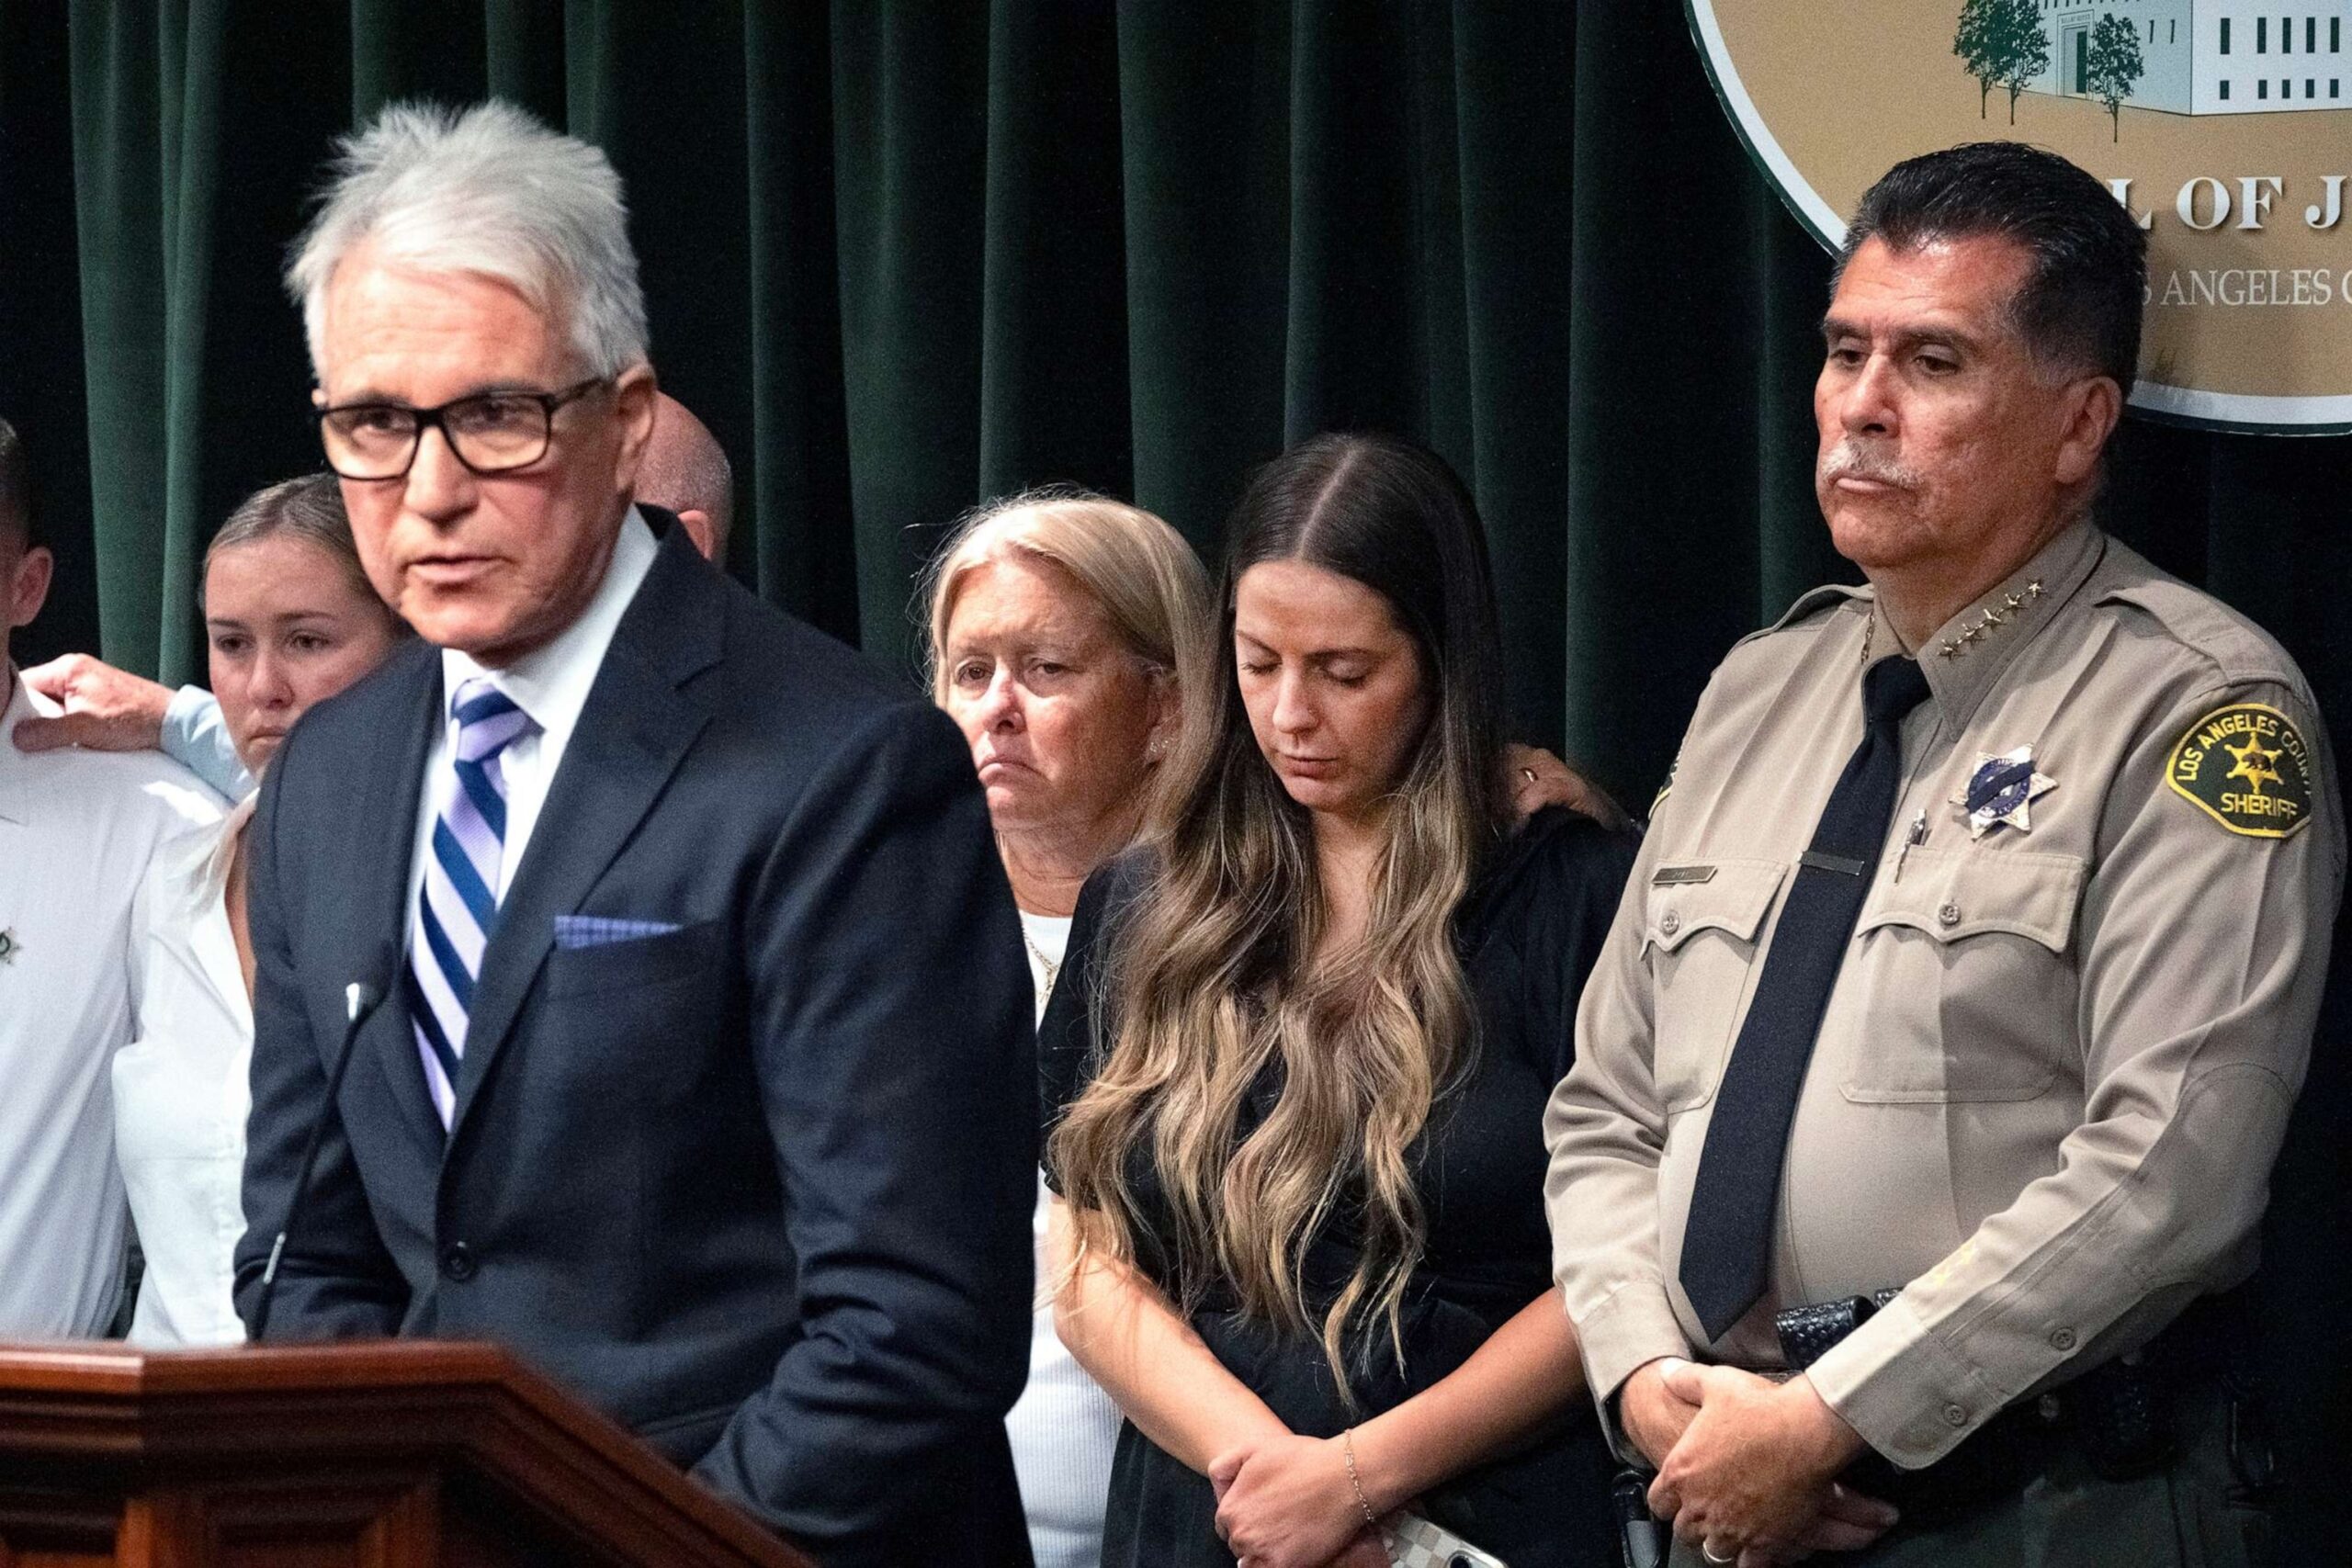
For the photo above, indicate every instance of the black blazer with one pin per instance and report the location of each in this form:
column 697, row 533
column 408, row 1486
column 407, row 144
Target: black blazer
column 759, row 1186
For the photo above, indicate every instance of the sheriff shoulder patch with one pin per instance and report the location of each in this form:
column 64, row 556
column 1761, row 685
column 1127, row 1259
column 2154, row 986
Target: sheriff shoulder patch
column 2247, row 767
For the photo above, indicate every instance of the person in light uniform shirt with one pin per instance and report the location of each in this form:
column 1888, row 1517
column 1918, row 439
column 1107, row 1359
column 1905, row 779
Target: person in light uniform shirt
column 78, row 831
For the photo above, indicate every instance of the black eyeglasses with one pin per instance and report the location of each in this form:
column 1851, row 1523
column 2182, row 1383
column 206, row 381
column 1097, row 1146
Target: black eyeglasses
column 489, row 432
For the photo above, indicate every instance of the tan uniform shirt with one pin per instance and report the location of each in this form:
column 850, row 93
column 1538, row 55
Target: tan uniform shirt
column 2059, row 1056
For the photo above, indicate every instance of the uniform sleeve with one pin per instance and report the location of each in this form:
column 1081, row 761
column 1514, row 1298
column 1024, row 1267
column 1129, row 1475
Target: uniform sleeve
column 1605, row 1129
column 2203, row 947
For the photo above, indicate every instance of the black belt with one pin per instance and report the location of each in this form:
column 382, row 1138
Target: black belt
column 2118, row 1414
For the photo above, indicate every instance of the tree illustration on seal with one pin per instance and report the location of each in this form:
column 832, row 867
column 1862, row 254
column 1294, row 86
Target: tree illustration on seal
column 2003, row 44
column 2111, row 65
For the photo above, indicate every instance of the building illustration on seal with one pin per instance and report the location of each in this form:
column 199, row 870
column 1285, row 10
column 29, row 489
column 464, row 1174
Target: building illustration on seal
column 2193, row 57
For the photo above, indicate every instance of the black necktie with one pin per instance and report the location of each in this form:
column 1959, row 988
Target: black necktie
column 1727, row 1239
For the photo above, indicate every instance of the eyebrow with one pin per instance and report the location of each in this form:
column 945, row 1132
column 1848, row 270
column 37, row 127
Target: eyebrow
column 369, row 397
column 1026, row 639
column 295, row 616
column 1319, row 655
column 1833, row 328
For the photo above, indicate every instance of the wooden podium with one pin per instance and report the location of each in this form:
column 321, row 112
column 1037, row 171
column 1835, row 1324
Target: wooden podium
column 381, row 1455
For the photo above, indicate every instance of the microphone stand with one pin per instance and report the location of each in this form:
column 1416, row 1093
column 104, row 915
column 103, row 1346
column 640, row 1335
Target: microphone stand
column 360, row 1002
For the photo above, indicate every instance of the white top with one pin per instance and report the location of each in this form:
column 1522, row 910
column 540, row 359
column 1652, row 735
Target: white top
column 78, row 831
column 551, row 684
column 1046, row 939
column 1064, row 1427
column 181, row 1095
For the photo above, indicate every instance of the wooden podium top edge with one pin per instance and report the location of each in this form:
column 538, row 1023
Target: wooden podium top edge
column 527, row 1426
column 90, row 1366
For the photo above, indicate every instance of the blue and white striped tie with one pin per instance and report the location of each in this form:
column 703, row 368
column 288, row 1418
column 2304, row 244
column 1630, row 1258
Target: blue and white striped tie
column 458, row 906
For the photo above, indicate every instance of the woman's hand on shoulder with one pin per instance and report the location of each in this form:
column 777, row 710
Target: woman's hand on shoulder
column 1286, row 1502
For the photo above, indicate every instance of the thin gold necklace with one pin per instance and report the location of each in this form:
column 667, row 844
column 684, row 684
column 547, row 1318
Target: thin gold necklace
column 1051, row 966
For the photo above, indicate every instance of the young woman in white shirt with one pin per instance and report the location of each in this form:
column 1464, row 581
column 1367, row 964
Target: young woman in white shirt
column 289, row 620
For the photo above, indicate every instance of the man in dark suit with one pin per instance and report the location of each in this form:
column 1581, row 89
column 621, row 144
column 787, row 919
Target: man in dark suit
column 703, row 1075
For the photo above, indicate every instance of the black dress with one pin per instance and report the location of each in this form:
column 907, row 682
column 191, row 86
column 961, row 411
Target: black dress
column 1528, row 935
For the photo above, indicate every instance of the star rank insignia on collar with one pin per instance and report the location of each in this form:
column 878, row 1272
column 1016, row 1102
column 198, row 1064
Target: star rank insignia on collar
column 1989, row 619
column 2002, row 791
column 9, row 946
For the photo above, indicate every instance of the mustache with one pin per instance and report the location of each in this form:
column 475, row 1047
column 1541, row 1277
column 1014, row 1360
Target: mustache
column 1853, row 460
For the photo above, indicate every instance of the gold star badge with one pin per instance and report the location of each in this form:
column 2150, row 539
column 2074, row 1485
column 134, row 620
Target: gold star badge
column 2254, row 764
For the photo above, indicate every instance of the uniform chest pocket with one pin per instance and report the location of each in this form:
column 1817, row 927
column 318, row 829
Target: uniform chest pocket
column 1700, row 926
column 1969, row 993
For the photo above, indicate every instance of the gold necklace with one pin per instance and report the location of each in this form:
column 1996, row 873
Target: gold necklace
column 1051, row 966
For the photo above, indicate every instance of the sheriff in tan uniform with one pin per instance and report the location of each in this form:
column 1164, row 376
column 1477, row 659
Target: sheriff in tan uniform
column 2060, row 1052
column 2059, row 1047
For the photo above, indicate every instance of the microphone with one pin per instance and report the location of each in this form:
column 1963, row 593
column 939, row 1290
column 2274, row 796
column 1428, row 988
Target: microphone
column 360, row 1001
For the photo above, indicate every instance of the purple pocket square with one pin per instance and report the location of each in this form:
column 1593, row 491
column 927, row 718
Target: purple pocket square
column 574, row 932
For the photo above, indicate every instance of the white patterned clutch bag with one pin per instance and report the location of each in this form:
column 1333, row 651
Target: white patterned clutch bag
column 1414, row 1542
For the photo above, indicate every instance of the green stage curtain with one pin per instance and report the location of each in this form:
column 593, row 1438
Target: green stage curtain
column 904, row 255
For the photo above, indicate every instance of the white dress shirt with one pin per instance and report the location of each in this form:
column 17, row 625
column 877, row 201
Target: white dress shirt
column 78, row 832
column 551, row 684
column 1064, row 1428
column 181, row 1095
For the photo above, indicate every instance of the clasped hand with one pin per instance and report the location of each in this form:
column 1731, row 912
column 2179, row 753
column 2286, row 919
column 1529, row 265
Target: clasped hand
column 1748, row 1468
column 1287, row 1503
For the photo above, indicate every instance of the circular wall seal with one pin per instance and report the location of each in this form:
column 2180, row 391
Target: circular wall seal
column 2224, row 127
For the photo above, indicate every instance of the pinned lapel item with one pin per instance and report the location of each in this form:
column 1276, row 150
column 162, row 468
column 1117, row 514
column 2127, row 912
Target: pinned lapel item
column 2002, row 791
column 9, row 946
column 1667, row 788
column 574, row 932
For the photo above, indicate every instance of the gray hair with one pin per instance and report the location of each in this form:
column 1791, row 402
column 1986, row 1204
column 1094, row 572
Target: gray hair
column 490, row 191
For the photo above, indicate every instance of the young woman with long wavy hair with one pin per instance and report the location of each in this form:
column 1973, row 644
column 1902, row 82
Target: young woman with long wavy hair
column 1295, row 1094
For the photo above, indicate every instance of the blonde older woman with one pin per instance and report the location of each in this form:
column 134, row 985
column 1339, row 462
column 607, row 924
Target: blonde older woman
column 1063, row 628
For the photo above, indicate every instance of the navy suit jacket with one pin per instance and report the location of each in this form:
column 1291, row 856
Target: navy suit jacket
column 759, row 1186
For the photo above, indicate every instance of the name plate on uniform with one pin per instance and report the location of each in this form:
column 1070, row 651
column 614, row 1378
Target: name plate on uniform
column 1682, row 876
